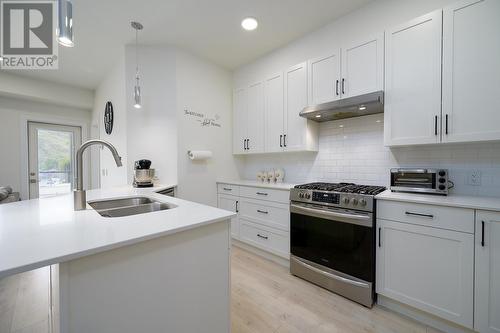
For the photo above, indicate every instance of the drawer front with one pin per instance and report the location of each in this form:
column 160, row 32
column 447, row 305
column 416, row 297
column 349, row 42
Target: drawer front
column 271, row 214
column 228, row 189
column 265, row 238
column 282, row 196
column 450, row 218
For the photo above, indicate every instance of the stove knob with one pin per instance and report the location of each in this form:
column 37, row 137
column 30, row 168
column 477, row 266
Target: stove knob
column 346, row 200
column 362, row 202
column 308, row 195
column 301, row 195
column 354, row 201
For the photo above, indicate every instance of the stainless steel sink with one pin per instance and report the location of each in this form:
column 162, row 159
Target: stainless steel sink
column 128, row 206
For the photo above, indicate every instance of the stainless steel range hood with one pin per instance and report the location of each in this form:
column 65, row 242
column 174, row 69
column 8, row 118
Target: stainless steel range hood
column 346, row 108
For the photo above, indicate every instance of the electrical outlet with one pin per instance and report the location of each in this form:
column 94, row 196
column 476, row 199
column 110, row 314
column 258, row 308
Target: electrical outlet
column 474, row 178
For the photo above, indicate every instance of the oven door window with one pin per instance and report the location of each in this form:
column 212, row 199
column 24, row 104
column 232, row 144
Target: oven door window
column 344, row 247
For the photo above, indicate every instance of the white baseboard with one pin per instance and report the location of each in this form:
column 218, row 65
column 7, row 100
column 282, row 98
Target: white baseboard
column 420, row 316
column 270, row 256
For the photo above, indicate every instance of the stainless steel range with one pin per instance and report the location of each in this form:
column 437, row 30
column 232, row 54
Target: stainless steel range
column 332, row 238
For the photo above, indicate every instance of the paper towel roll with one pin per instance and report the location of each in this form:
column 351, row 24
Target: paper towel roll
column 199, row 154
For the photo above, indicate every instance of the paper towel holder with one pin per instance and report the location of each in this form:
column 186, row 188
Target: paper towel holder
column 199, row 155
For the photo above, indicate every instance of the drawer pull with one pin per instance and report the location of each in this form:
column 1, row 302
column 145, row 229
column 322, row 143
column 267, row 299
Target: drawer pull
column 430, row 216
column 261, row 193
column 263, row 237
column 227, row 189
column 262, row 211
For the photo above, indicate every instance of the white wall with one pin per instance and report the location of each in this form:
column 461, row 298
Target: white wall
column 206, row 89
column 12, row 113
column 152, row 130
column 43, row 91
column 112, row 88
column 355, row 152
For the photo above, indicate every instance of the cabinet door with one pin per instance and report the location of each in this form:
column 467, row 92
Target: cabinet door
column 324, row 78
column 230, row 203
column 428, row 268
column 239, row 121
column 295, row 101
column 413, row 82
column 274, row 110
column 255, row 118
column 487, row 302
column 471, row 71
column 363, row 66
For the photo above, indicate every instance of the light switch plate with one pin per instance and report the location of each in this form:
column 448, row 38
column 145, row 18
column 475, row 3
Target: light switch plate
column 474, row 178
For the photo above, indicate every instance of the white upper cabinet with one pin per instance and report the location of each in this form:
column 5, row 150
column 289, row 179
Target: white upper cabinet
column 324, row 78
column 300, row 133
column 413, row 81
column 471, row 71
column 255, row 118
column 239, row 121
column 487, row 278
column 363, row 67
column 274, row 113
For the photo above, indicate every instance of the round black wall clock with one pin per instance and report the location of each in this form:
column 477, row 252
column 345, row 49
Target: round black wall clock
column 108, row 118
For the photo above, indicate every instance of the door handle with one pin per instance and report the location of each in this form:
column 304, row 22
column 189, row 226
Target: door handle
column 281, row 138
column 284, row 140
column 343, row 86
column 337, row 87
column 379, row 234
column 244, row 144
column 446, row 124
column 261, row 193
column 263, row 237
column 248, row 144
column 236, row 207
column 262, row 211
column 430, row 216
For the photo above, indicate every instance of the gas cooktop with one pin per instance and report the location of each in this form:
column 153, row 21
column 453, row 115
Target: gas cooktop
column 343, row 187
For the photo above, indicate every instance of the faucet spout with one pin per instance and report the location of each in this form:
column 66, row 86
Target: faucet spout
column 79, row 195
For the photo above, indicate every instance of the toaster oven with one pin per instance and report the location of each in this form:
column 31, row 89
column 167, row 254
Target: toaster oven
column 430, row 181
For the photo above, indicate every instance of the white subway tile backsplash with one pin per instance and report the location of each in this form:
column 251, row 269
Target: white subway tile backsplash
column 355, row 153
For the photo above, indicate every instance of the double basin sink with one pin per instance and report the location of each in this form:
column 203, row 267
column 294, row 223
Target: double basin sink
column 128, row 206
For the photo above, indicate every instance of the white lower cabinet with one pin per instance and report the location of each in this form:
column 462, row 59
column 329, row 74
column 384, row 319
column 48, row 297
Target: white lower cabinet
column 229, row 202
column 428, row 268
column 487, row 272
column 263, row 219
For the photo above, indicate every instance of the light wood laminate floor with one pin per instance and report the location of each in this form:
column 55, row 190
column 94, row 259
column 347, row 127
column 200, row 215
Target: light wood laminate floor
column 265, row 298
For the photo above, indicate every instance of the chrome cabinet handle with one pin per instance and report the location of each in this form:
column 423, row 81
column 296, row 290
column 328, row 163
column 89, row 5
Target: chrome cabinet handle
column 261, row 193
column 262, row 211
column 263, row 237
column 430, row 216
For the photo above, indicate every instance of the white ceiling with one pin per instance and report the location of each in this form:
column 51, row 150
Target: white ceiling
column 208, row 28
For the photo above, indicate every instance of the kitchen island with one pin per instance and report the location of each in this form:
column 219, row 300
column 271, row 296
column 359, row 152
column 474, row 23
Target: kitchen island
column 161, row 271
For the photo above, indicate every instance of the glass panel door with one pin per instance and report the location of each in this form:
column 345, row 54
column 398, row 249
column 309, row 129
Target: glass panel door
column 52, row 151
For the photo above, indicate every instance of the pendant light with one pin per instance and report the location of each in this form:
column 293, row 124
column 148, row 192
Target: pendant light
column 137, row 88
column 65, row 23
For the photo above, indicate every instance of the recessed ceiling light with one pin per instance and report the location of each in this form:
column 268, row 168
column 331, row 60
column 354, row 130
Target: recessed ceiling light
column 341, row 126
column 249, row 23
column 318, row 116
column 362, row 107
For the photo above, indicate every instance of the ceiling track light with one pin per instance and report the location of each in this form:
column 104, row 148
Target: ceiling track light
column 137, row 88
column 65, row 23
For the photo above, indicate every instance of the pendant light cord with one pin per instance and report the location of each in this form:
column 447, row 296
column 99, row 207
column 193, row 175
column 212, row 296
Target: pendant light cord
column 136, row 54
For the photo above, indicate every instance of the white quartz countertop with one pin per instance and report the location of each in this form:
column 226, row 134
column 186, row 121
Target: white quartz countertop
column 40, row 232
column 462, row 201
column 254, row 183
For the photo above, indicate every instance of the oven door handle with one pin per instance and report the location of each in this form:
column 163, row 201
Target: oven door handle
column 359, row 219
column 332, row 276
